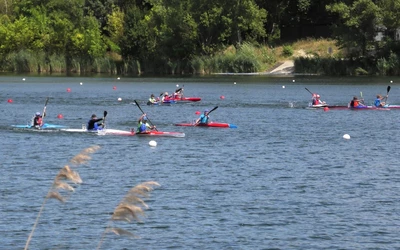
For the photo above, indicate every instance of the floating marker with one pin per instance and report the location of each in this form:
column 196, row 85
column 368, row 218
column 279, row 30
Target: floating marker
column 80, row 83
column 294, row 80
column 68, row 90
column 60, row 116
column 346, row 136
column 152, row 143
column 177, row 85
column 391, row 81
column 234, row 83
column 118, row 78
column 326, row 109
column 9, row 100
column 114, row 88
column 283, row 86
column 197, row 112
column 23, row 79
column 119, row 99
column 222, row 97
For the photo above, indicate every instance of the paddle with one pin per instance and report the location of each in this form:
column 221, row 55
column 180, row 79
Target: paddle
column 387, row 92
column 197, row 123
column 362, row 98
column 104, row 119
column 44, row 111
column 309, row 91
column 137, row 104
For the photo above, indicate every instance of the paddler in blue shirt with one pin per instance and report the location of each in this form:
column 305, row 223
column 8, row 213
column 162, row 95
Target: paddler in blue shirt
column 143, row 125
column 203, row 119
column 379, row 101
column 93, row 123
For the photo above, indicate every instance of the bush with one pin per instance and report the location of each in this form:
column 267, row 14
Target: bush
column 287, row 51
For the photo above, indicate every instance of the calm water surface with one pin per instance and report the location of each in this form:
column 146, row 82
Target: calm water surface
column 284, row 179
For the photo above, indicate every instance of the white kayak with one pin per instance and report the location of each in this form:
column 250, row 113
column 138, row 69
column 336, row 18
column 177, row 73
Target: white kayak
column 105, row 131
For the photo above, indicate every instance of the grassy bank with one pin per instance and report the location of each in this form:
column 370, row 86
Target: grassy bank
column 246, row 58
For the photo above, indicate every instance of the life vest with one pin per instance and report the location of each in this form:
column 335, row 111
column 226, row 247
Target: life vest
column 142, row 127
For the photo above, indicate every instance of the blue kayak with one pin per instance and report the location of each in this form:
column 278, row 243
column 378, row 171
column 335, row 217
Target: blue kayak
column 45, row 126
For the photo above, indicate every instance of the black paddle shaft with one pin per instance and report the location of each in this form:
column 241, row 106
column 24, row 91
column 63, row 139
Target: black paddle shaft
column 137, row 104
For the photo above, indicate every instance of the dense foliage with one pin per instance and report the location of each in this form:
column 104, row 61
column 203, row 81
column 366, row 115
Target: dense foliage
column 187, row 36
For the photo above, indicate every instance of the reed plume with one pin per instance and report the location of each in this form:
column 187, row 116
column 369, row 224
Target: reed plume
column 130, row 208
column 60, row 183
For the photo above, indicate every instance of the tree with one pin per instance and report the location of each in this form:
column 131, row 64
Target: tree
column 357, row 24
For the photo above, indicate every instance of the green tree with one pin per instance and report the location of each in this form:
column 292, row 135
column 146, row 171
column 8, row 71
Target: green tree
column 357, row 24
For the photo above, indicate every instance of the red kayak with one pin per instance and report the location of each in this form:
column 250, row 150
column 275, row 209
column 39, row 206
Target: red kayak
column 161, row 133
column 210, row 124
column 186, row 99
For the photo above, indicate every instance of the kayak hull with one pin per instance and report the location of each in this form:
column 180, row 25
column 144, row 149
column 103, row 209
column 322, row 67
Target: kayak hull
column 186, row 99
column 124, row 132
column 45, row 126
column 161, row 133
column 100, row 132
column 208, row 125
column 388, row 107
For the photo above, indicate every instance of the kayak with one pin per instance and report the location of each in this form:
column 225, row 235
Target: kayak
column 186, row 99
column 45, row 126
column 161, row 133
column 387, row 107
column 124, row 132
column 100, row 131
column 167, row 102
column 209, row 125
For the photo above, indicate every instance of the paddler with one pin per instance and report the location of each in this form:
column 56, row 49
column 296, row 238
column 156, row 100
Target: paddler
column 203, row 119
column 379, row 101
column 152, row 100
column 93, row 123
column 317, row 101
column 143, row 124
column 355, row 103
column 178, row 93
column 38, row 120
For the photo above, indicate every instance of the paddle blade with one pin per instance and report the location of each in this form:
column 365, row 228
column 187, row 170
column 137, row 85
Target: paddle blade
column 388, row 89
column 105, row 113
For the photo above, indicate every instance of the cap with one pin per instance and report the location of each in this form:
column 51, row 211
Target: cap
column 144, row 118
column 318, row 96
column 166, row 93
column 93, row 116
column 206, row 110
column 37, row 113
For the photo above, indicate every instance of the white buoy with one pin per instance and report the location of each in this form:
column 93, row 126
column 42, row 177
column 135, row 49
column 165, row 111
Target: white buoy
column 80, row 83
column 234, row 83
column 283, row 86
column 118, row 78
column 294, row 80
column 152, row 143
column 346, row 136
column 391, row 81
column 23, row 79
column 177, row 85
column 119, row 99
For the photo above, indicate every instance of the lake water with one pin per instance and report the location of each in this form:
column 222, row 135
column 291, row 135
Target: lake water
column 284, row 179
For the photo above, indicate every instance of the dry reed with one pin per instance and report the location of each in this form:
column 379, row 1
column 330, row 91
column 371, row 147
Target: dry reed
column 60, row 183
column 130, row 208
